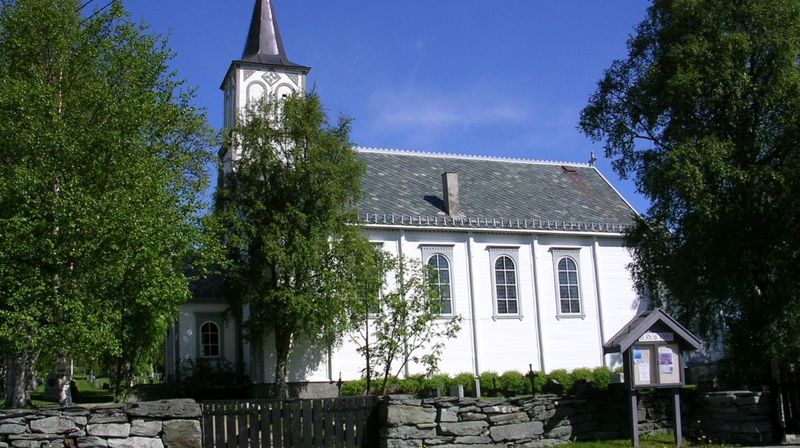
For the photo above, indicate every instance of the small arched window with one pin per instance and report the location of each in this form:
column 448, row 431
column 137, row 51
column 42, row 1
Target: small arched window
column 505, row 282
column 568, row 290
column 440, row 279
column 255, row 91
column 209, row 340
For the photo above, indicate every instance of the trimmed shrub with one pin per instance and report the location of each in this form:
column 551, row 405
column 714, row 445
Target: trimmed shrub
column 563, row 377
column 486, row 381
column 601, row 376
column 467, row 380
column 538, row 381
column 582, row 374
column 412, row 384
column 439, row 382
column 514, row 382
column 393, row 385
column 510, row 381
column 353, row 388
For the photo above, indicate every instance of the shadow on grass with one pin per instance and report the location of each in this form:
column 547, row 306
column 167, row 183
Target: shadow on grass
column 87, row 394
column 649, row 441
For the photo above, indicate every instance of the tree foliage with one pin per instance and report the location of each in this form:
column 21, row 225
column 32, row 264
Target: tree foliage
column 705, row 113
column 103, row 160
column 399, row 320
column 291, row 224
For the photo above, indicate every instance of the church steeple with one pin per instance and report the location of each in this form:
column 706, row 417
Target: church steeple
column 264, row 42
column 264, row 70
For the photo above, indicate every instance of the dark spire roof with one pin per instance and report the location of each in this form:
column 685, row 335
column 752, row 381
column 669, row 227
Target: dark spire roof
column 264, row 42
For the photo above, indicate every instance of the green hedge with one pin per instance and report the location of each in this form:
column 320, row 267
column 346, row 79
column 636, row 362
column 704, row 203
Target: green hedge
column 510, row 382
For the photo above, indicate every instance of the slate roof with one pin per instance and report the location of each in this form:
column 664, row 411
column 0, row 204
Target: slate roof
column 405, row 188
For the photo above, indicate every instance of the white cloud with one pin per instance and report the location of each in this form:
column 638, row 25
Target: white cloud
column 423, row 111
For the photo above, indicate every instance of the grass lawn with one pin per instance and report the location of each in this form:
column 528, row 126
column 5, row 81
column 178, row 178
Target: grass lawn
column 87, row 394
column 653, row 441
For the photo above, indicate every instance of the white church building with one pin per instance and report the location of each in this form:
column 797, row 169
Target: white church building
column 531, row 252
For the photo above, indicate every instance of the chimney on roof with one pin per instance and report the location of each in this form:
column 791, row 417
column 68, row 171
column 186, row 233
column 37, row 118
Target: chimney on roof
column 452, row 203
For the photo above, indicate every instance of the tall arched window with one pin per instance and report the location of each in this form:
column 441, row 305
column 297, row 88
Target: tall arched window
column 209, row 340
column 440, row 272
column 505, row 282
column 568, row 290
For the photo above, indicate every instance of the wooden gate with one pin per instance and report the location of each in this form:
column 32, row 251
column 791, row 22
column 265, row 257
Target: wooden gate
column 333, row 422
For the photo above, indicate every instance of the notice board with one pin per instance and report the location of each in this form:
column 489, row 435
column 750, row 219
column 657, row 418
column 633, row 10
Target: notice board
column 656, row 365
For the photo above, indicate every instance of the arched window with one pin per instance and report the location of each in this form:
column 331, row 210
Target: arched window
column 568, row 290
column 284, row 91
column 209, row 340
column 255, row 91
column 440, row 273
column 505, row 282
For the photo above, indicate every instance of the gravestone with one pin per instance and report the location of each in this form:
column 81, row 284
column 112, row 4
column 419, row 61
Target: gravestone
column 54, row 388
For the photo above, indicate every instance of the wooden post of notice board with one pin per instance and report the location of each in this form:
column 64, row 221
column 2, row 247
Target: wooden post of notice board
column 678, row 430
column 651, row 346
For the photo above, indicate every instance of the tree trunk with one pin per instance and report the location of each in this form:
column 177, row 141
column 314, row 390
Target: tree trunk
column 3, row 371
column 62, row 361
column 30, row 372
column 119, row 377
column 367, row 355
column 283, row 346
column 239, row 318
column 17, row 394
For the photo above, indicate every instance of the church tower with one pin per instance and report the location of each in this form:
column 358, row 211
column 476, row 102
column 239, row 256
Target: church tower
column 263, row 70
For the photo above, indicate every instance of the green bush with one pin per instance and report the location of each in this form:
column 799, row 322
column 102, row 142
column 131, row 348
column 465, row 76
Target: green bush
column 486, row 380
column 601, row 376
column 439, row 382
column 412, row 384
column 393, row 385
column 582, row 374
column 515, row 382
column 467, row 380
column 563, row 377
column 353, row 388
column 539, row 381
column 510, row 381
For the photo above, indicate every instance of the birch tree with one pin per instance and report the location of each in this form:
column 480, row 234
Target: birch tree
column 292, row 228
column 103, row 161
column 703, row 113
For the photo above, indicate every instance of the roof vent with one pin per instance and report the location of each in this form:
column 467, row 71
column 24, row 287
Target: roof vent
column 452, row 203
column 569, row 169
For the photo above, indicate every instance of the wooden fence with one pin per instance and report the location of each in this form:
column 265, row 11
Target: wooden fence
column 785, row 391
column 333, row 422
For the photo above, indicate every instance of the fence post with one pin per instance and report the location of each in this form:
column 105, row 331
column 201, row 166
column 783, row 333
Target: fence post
column 777, row 399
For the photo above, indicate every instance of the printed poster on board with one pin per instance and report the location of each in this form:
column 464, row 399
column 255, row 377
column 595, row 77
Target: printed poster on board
column 644, row 373
column 666, row 363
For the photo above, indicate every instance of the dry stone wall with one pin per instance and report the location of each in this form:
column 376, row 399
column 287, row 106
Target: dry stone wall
column 548, row 420
column 157, row 424
column 742, row 417
column 543, row 420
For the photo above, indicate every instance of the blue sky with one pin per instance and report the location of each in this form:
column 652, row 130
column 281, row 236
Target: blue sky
column 491, row 77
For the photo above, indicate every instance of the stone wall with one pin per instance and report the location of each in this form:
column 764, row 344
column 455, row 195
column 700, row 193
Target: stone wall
column 543, row 420
column 155, row 424
column 735, row 417
column 547, row 420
